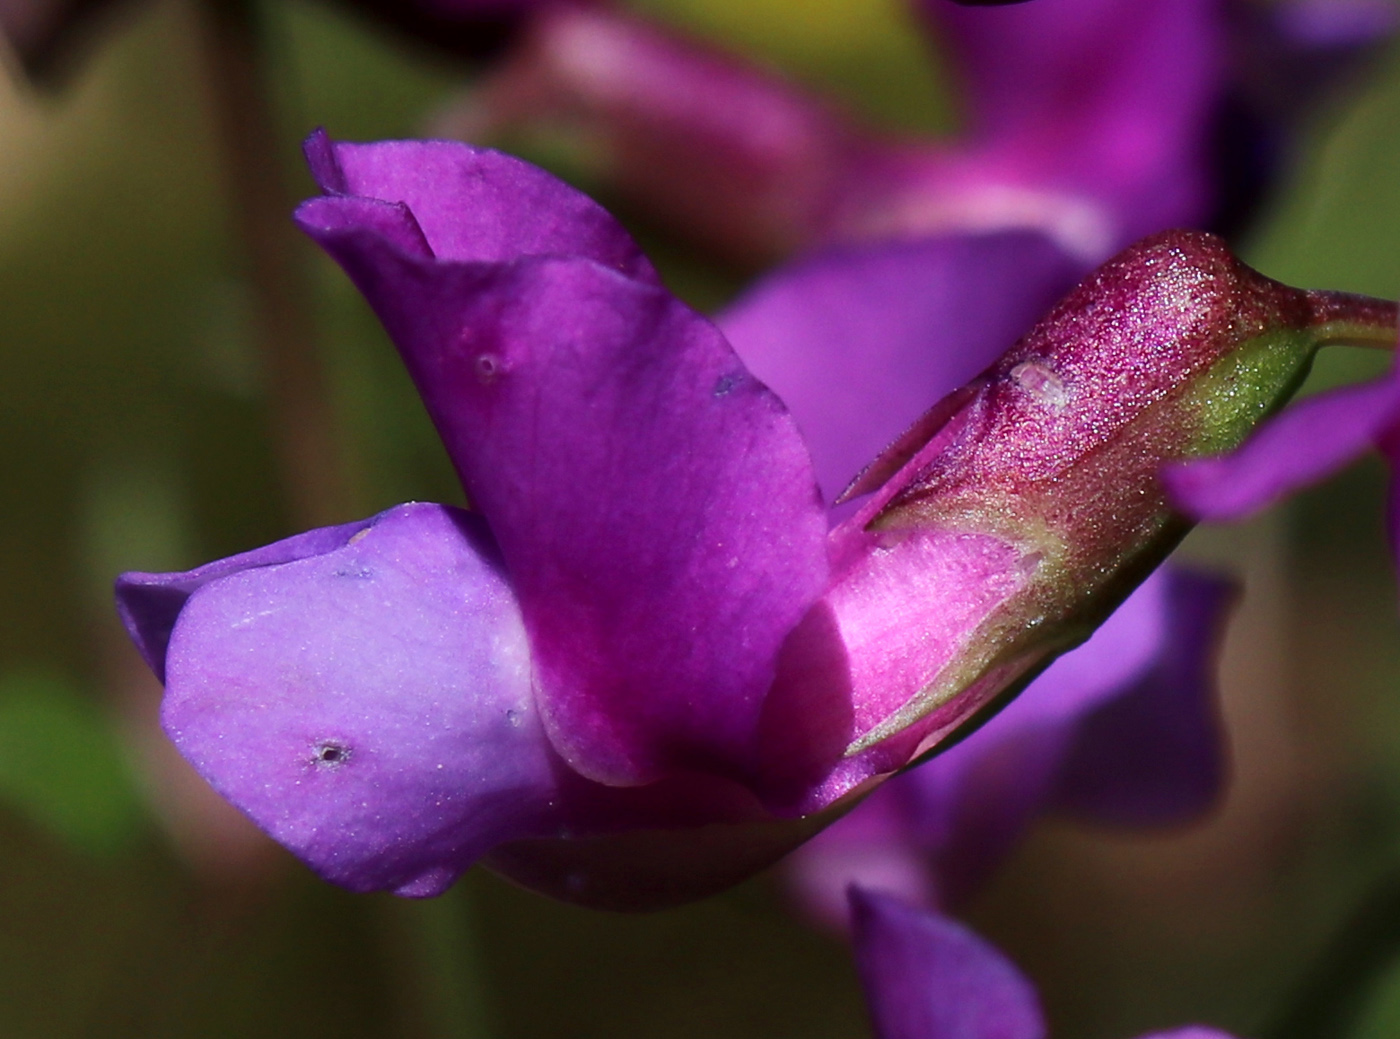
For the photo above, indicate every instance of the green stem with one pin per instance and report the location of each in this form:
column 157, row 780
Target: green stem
column 441, row 968
column 1329, row 1001
column 302, row 416
column 1344, row 319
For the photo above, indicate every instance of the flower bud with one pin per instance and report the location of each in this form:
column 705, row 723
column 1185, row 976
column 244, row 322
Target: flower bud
column 1173, row 350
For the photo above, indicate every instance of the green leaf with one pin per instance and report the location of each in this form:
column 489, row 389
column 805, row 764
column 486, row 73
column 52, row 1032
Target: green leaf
column 1380, row 1019
column 61, row 764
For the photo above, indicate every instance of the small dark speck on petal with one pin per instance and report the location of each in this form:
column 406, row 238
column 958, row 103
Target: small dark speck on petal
column 330, row 754
column 726, row 383
column 488, row 368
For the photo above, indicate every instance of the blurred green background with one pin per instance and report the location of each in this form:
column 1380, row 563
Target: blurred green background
column 133, row 435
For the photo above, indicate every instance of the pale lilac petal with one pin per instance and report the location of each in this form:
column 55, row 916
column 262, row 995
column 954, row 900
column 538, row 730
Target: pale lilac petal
column 927, row 977
column 969, row 806
column 149, row 604
column 654, row 503
column 1191, row 1032
column 1304, row 444
column 1156, row 754
column 369, row 706
column 859, row 340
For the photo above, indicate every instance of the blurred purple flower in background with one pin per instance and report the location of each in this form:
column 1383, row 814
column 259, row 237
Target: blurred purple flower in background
column 928, row 977
column 674, row 671
column 1093, row 121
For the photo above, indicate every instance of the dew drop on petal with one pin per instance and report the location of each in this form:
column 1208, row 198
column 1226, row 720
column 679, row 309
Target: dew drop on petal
column 1040, row 382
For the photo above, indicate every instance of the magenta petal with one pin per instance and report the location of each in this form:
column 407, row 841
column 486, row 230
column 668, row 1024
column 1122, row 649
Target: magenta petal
column 1301, row 446
column 968, row 807
column 858, row 340
column 654, row 503
column 369, row 706
column 927, row 977
column 1122, row 729
column 149, row 604
column 1156, row 754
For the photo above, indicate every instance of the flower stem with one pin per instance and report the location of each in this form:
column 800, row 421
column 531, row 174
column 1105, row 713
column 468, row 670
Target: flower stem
column 439, row 967
column 1344, row 319
column 1331, row 998
column 302, row 416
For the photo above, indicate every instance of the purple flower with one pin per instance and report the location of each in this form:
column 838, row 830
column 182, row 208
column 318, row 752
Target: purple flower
column 1303, row 445
column 856, row 339
column 1093, row 121
column 928, row 977
column 1122, row 731
column 646, row 665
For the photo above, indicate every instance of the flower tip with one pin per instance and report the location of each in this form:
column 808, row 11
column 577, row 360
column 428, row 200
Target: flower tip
column 319, row 150
column 362, row 693
column 910, row 959
column 148, row 608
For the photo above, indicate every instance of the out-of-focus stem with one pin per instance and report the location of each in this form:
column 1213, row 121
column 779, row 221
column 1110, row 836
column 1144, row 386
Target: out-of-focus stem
column 312, row 467
column 439, row 966
column 1331, row 998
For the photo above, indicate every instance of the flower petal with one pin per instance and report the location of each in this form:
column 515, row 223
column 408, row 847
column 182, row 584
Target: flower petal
column 927, row 977
column 1156, row 754
column 940, row 829
column 858, row 340
column 1112, row 97
column 368, row 706
column 654, row 503
column 149, row 604
column 472, row 204
column 1304, row 444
